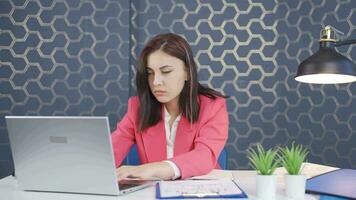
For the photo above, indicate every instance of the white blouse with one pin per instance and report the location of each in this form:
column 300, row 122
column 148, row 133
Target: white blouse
column 170, row 137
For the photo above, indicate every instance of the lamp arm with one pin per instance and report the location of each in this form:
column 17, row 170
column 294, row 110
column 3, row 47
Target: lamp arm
column 345, row 42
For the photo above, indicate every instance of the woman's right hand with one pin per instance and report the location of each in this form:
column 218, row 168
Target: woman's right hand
column 150, row 171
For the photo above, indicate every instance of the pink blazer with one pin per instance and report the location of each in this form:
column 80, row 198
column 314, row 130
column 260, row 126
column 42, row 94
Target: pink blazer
column 196, row 148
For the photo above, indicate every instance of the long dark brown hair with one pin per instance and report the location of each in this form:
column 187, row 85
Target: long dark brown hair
column 150, row 109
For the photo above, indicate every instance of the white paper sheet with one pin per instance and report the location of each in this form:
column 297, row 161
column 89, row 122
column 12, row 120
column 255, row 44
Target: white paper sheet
column 198, row 188
column 216, row 174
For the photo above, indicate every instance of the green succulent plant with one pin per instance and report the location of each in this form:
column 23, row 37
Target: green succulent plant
column 293, row 158
column 264, row 162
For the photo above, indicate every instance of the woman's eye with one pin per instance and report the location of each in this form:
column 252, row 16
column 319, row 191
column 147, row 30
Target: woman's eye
column 166, row 72
column 149, row 72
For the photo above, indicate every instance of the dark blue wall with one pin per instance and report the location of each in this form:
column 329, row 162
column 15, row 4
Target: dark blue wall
column 77, row 58
column 62, row 58
column 250, row 50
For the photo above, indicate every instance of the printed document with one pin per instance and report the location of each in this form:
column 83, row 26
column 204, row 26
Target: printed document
column 199, row 188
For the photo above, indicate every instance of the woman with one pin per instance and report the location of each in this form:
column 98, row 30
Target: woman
column 179, row 126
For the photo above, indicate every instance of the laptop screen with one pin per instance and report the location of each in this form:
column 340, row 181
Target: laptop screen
column 63, row 154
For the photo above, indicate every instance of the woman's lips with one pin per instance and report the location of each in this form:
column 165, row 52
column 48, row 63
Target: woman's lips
column 160, row 92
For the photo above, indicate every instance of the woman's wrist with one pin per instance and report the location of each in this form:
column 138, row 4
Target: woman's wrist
column 163, row 170
column 176, row 170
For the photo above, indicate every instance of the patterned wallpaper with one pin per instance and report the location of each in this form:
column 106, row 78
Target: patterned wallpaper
column 250, row 50
column 72, row 57
column 62, row 58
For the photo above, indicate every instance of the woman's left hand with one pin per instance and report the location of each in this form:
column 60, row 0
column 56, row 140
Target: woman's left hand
column 149, row 171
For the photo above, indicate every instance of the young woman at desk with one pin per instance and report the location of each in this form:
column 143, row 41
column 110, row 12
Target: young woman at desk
column 179, row 126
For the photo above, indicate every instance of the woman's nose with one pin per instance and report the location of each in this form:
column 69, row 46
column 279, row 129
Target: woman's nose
column 157, row 80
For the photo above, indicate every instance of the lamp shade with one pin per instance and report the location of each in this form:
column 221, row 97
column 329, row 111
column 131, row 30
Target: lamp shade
column 326, row 66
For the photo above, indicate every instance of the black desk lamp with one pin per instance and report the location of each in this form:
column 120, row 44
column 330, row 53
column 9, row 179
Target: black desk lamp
column 327, row 66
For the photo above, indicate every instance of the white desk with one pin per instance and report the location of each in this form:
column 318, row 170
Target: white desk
column 245, row 179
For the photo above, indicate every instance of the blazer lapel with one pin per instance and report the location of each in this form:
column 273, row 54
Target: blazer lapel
column 155, row 144
column 184, row 137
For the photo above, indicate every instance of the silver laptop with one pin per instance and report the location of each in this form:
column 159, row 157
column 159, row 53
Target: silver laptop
column 65, row 154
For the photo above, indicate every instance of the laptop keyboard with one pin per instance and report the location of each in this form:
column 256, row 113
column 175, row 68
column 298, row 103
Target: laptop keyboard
column 125, row 184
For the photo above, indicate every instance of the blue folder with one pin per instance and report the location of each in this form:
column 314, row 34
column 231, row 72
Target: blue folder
column 327, row 197
column 340, row 184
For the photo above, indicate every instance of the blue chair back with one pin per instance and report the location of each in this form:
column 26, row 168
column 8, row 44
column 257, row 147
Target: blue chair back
column 132, row 157
column 223, row 158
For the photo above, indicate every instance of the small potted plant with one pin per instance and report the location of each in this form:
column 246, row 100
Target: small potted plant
column 292, row 160
column 265, row 163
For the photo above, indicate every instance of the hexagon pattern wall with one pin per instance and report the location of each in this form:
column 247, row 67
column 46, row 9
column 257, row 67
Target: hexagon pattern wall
column 250, row 50
column 69, row 57
column 62, row 58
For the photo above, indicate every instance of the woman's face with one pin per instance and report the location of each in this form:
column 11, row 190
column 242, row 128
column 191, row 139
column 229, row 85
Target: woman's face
column 166, row 76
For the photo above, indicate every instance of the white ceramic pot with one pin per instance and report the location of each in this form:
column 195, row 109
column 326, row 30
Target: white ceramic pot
column 266, row 187
column 295, row 186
